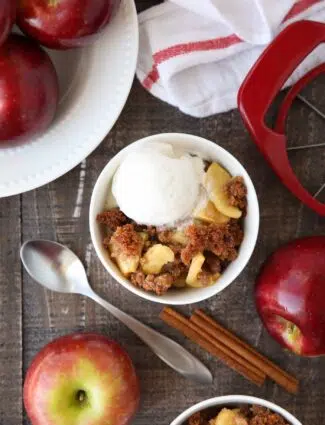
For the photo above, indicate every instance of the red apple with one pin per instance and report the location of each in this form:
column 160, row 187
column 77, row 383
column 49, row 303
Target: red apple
column 62, row 24
column 28, row 89
column 290, row 296
column 7, row 18
column 81, row 379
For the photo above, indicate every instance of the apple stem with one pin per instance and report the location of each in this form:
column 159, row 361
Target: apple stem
column 81, row 396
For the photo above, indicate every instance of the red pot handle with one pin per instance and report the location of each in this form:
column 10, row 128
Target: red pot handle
column 259, row 89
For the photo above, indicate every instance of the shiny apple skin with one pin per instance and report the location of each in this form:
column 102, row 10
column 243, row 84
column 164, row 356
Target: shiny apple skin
column 29, row 89
column 63, row 24
column 7, row 18
column 292, row 285
column 56, row 368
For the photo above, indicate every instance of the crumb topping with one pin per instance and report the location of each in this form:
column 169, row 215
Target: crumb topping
column 176, row 268
column 221, row 240
column 262, row 416
column 212, row 263
column 127, row 240
column 113, row 218
column 236, row 192
column 152, row 283
column 204, row 277
column 198, row 418
column 165, row 236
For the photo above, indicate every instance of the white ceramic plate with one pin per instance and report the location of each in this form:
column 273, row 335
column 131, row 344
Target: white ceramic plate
column 94, row 83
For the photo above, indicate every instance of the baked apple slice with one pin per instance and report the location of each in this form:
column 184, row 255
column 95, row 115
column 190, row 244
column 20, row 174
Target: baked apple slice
column 192, row 278
column 210, row 214
column 215, row 180
column 179, row 237
column 194, row 270
column 155, row 258
column 126, row 263
column 229, row 417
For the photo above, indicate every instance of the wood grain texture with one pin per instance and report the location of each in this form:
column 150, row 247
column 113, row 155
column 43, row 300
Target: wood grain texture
column 59, row 211
column 11, row 344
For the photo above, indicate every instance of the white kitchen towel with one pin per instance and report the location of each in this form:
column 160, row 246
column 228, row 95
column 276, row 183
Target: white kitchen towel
column 194, row 54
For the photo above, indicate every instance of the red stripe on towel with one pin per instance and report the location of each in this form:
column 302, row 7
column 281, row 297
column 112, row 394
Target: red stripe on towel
column 184, row 48
column 213, row 44
column 300, row 7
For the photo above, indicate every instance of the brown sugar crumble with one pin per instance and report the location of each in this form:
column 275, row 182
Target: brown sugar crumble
column 212, row 263
column 198, row 418
column 254, row 415
column 151, row 283
column 222, row 240
column 261, row 416
column 127, row 240
column 176, row 268
column 237, row 192
column 113, row 218
column 165, row 236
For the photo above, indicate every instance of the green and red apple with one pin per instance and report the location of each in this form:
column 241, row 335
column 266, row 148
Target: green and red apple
column 81, row 379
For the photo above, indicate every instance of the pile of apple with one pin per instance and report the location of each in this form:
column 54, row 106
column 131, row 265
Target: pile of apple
column 29, row 88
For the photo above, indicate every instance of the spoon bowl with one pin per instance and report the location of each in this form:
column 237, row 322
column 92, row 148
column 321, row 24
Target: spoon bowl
column 57, row 269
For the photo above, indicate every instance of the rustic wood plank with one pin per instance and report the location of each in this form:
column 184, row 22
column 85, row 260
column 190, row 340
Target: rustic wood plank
column 10, row 313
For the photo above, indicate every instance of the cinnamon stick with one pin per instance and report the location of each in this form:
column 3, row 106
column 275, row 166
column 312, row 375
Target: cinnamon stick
column 215, row 330
column 214, row 347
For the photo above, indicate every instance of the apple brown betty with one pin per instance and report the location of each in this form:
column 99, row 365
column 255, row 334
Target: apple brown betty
column 255, row 415
column 157, row 260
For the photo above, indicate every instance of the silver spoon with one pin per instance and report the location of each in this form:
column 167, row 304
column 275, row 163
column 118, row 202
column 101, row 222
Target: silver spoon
column 57, row 268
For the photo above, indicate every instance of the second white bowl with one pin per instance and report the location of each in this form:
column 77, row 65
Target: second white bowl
column 207, row 150
column 234, row 401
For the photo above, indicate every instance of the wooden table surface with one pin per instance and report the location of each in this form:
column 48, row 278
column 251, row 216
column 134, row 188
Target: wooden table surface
column 31, row 316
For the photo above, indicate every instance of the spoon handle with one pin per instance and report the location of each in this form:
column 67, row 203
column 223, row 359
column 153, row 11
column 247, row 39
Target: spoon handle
column 173, row 354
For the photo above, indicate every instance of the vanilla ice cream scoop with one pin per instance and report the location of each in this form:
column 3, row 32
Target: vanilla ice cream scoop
column 154, row 187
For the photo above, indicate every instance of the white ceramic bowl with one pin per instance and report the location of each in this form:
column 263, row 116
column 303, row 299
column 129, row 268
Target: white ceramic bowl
column 234, row 401
column 94, row 84
column 209, row 151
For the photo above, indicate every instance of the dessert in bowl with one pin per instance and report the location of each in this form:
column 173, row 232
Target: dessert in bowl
column 174, row 218
column 236, row 410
